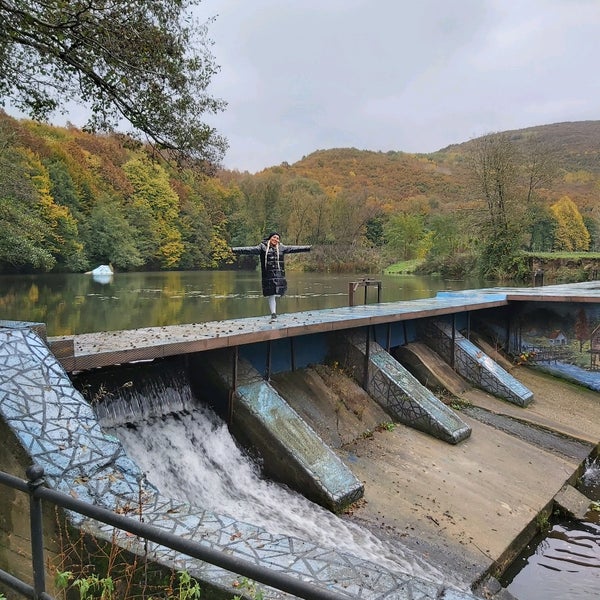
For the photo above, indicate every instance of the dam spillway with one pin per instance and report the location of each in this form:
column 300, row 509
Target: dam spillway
column 418, row 451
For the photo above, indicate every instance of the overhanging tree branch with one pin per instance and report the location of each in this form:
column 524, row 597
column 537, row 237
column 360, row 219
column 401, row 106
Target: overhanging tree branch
column 145, row 61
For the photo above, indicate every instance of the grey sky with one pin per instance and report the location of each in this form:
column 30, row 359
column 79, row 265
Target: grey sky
column 405, row 75
column 413, row 76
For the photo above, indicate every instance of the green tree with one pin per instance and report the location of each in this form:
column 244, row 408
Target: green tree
column 111, row 238
column 21, row 224
column 593, row 228
column 63, row 189
column 374, row 230
column 148, row 62
column 542, row 227
column 194, row 219
column 404, row 234
column 61, row 235
column 571, row 234
column 21, row 235
column 448, row 238
column 154, row 212
column 220, row 252
column 451, row 247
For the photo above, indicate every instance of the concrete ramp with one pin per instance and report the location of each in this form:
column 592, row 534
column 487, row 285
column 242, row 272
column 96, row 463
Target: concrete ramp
column 492, row 352
column 332, row 403
column 430, row 369
column 401, row 394
column 472, row 363
column 293, row 452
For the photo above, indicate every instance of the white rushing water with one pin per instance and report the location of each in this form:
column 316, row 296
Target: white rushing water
column 192, row 457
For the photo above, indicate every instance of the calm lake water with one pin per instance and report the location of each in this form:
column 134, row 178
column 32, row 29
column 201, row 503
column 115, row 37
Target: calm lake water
column 78, row 303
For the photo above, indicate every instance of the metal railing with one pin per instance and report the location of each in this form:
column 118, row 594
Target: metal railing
column 34, row 487
column 365, row 282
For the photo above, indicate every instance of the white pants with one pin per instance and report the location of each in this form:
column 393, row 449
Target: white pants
column 272, row 303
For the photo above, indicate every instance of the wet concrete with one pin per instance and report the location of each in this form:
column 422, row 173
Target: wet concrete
column 469, row 508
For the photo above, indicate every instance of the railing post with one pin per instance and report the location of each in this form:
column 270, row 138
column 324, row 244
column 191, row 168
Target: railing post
column 35, row 477
column 232, row 390
column 268, row 365
column 292, row 354
column 352, row 285
column 367, row 359
column 453, row 348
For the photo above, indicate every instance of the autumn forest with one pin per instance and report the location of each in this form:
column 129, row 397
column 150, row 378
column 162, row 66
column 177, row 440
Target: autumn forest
column 71, row 200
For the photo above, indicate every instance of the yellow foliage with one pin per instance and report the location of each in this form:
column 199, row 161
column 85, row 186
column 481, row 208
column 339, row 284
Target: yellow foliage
column 571, row 234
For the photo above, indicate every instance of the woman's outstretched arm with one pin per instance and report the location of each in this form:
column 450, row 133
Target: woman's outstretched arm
column 246, row 250
column 292, row 249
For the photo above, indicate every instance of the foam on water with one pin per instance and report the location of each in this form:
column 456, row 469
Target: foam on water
column 590, row 480
column 192, row 457
column 188, row 453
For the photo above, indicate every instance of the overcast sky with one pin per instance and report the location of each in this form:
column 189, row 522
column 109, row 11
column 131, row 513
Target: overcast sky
column 404, row 75
column 413, row 76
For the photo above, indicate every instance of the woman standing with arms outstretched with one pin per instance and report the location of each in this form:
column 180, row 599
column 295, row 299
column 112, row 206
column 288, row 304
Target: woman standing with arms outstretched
column 272, row 267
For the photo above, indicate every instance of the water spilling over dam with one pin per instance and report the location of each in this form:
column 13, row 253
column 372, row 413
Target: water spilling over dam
column 186, row 450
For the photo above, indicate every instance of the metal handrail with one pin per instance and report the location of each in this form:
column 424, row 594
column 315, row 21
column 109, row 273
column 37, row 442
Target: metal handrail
column 34, row 486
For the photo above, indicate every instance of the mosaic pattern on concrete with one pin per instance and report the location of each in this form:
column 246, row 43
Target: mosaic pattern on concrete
column 266, row 416
column 472, row 363
column 398, row 392
column 91, row 350
column 60, row 432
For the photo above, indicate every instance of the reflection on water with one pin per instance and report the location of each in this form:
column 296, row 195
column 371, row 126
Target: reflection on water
column 77, row 303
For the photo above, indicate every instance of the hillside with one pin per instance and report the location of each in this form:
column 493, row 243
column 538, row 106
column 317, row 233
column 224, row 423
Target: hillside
column 70, row 200
column 391, row 177
column 441, row 177
column 578, row 143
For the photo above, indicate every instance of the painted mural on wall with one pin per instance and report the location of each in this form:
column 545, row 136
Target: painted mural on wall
column 560, row 338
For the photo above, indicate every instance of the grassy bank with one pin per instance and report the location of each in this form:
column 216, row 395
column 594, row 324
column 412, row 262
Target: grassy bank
column 404, row 267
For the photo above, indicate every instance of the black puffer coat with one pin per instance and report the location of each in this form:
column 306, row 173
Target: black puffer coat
column 272, row 265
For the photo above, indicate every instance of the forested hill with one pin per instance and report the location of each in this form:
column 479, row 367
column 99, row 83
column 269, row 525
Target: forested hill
column 70, row 200
column 443, row 176
column 578, row 143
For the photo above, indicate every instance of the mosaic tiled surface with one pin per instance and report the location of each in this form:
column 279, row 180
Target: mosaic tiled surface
column 312, row 462
column 60, row 432
column 403, row 396
column 472, row 363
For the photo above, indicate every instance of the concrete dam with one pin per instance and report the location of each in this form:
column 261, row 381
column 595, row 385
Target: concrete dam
column 399, row 417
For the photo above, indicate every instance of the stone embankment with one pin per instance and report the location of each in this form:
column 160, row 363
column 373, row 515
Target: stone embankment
column 560, row 269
